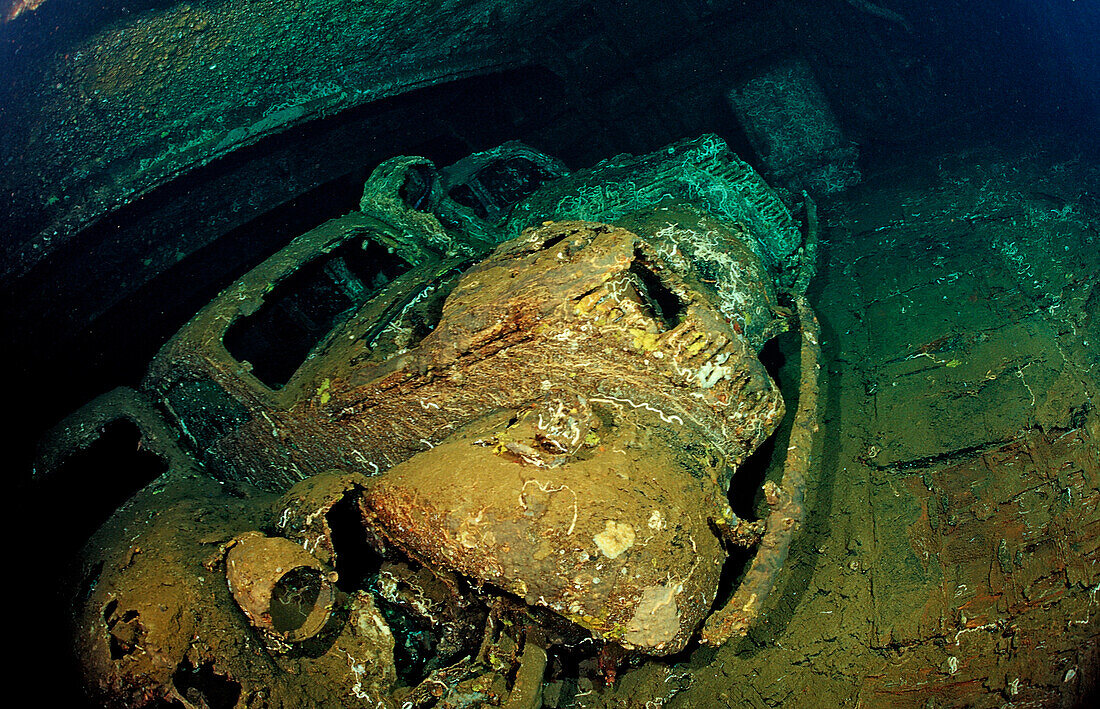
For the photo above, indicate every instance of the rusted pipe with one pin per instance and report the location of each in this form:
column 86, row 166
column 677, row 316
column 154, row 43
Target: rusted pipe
column 787, row 500
column 808, row 263
column 282, row 588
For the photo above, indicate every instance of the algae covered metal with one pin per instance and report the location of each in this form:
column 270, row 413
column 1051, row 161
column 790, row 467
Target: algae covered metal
column 522, row 393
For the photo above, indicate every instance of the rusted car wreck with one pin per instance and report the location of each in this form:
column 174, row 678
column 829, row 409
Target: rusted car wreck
column 492, row 414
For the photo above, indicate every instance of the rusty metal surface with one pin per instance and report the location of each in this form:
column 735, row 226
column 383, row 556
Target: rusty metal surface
column 787, row 501
column 1005, row 545
column 110, row 109
column 548, row 327
column 326, row 416
column 701, row 171
column 82, row 428
column 563, row 430
column 257, row 565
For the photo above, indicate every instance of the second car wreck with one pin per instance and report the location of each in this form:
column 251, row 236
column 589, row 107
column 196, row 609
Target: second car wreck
column 494, row 414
